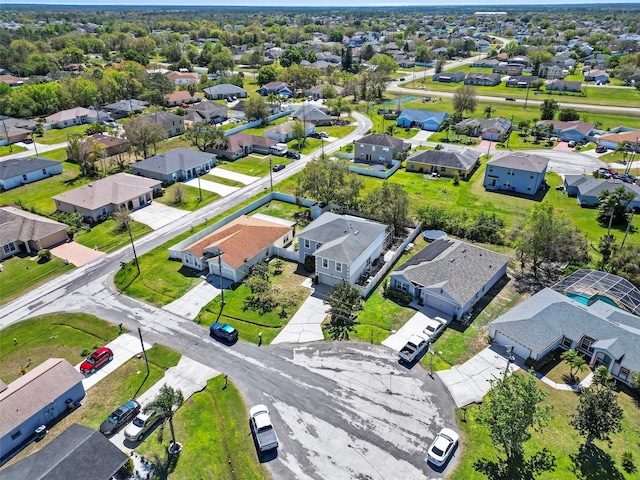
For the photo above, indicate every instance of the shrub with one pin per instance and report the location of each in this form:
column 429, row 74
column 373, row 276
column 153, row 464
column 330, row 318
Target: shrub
column 309, row 263
column 456, row 179
column 627, row 462
column 44, row 255
column 398, row 296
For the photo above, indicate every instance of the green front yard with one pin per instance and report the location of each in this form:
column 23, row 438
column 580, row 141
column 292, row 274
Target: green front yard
column 57, row 135
column 191, row 200
column 254, row 165
column 11, row 149
column 107, row 238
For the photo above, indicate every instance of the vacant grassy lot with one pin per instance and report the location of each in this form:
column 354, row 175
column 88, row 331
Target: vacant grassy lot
column 23, row 272
column 286, row 211
column 57, row 135
column 255, row 165
column 107, row 238
column 58, row 335
column 191, row 200
column 562, row 440
column 213, row 427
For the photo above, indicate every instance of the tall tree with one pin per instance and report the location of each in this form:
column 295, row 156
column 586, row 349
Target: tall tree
column 389, row 204
column 511, row 410
column 464, row 99
column 548, row 109
column 329, row 181
column 144, row 134
column 298, row 130
column 256, row 108
column 574, row 360
column 203, row 137
column 614, row 207
column 598, row 414
column 81, row 153
column 344, row 302
column 164, row 404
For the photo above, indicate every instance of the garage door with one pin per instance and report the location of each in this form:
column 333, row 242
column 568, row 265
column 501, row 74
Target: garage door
column 440, row 304
column 518, row 349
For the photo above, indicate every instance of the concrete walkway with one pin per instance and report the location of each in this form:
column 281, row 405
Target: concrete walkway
column 305, row 324
column 229, row 175
column 124, row 348
column 190, row 304
column 209, row 186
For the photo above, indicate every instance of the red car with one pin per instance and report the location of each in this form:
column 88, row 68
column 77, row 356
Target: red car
column 96, row 360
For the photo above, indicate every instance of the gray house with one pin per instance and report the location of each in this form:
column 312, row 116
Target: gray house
column 172, row 123
column 516, row 172
column 206, row 113
column 586, row 314
column 20, row 171
column 494, row 129
column 124, row 108
column 37, row 398
column 377, row 148
column 445, row 162
column 312, row 114
column 343, row 247
column 449, row 275
column 175, row 165
column 224, row 90
column 587, row 189
column 448, row 77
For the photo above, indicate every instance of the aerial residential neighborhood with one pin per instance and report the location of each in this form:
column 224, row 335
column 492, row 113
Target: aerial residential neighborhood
column 308, row 242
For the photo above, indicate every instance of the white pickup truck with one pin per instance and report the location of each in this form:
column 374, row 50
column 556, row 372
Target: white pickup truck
column 414, row 348
column 262, row 428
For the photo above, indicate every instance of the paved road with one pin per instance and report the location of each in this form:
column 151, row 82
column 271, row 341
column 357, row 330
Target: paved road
column 31, row 149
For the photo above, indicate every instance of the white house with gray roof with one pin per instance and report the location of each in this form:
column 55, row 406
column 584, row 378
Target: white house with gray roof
column 224, row 90
column 18, row 171
column 175, row 165
column 343, row 247
column 587, row 189
column 449, row 275
column 604, row 333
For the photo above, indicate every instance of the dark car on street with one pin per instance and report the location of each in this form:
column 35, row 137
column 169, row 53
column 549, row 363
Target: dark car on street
column 224, row 331
column 96, row 360
column 279, row 166
column 124, row 414
column 292, row 154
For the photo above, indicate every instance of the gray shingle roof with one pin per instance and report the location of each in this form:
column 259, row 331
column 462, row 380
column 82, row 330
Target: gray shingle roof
column 459, row 268
column 344, row 238
column 460, row 159
column 383, row 140
column 592, row 187
column 310, row 113
column 18, row 225
column 131, row 105
column 22, row 166
column 527, row 162
column 175, row 160
column 78, row 453
column 224, row 89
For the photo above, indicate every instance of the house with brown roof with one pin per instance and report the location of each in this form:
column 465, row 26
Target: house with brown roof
column 612, row 140
column 112, row 145
column 243, row 242
column 516, row 172
column 183, row 78
column 494, row 129
column 22, row 231
column 576, row 130
column 181, row 97
column 14, row 130
column 12, row 80
column 376, row 148
column 75, row 116
column 242, row 144
column 206, row 113
column 97, row 200
column 37, row 398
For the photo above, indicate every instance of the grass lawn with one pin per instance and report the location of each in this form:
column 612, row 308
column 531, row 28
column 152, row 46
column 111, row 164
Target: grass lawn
column 104, row 235
column 58, row 335
column 57, row 135
column 22, row 273
column 37, row 195
column 255, row 165
column 222, row 181
column 191, row 199
column 11, row 149
column 213, row 427
column 251, row 322
column 562, row 440
column 59, row 154
column 286, row 211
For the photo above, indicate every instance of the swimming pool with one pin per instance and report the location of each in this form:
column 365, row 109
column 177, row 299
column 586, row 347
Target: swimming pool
column 590, row 299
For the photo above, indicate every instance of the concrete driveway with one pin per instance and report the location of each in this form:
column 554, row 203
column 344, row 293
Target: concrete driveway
column 76, row 254
column 209, row 186
column 190, row 304
column 157, row 215
column 124, row 348
column 305, row 325
column 229, row 175
column 414, row 325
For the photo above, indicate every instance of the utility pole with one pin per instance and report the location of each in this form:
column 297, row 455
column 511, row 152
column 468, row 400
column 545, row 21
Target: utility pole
column 218, row 253
column 6, row 134
column 526, row 99
column 199, row 189
column 135, row 256
column 271, row 173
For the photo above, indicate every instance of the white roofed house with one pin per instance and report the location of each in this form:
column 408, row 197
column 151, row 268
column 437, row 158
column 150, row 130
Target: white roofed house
column 75, row 116
column 284, row 132
column 175, row 165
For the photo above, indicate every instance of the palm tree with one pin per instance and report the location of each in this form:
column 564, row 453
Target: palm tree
column 391, row 129
column 622, row 148
column 488, row 111
column 615, row 202
column 272, row 99
column 167, row 401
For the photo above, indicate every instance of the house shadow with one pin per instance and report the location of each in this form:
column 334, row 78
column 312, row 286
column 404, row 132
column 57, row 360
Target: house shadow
column 538, row 197
column 593, row 463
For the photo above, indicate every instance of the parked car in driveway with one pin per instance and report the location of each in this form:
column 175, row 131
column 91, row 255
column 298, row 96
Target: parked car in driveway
column 414, row 348
column 262, row 428
column 119, row 417
column 434, row 327
column 572, row 144
column 96, row 360
column 442, row 447
column 141, row 425
column 601, row 149
column 224, row 330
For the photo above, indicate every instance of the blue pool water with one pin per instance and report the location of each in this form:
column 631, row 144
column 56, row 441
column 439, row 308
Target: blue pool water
column 588, row 300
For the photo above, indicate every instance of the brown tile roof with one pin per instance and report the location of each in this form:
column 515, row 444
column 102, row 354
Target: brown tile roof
column 632, row 137
column 238, row 141
column 182, row 75
column 182, row 96
column 114, row 189
column 11, row 79
column 582, row 127
column 30, row 393
column 16, row 224
column 243, row 238
column 108, row 141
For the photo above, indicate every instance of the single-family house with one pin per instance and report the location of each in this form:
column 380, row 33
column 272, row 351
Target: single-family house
column 576, row 130
column 233, row 249
column 78, row 453
column 485, row 63
column 175, row 165
column 12, row 80
column 482, row 79
column 173, row 124
column 512, row 70
column 278, row 88
column 19, row 171
column 494, row 129
column 519, row 60
column 586, row 190
column 516, row 172
column 584, row 312
column 445, row 163
column 14, row 130
column 181, row 97
column 482, row 45
column 631, row 138
column 554, row 72
column 75, row 116
column 223, row 91
column 423, row 119
column 183, row 78
column 521, row 81
column 448, row 77
column 449, row 275
column 379, row 148
column 600, row 77
column 37, row 398
column 318, row 92
column 557, row 85
column 343, row 247
column 112, row 145
column 99, row 199
column 284, row 132
column 312, row 114
column 242, row 144
column 22, row 231
column 206, row 113
column 125, row 108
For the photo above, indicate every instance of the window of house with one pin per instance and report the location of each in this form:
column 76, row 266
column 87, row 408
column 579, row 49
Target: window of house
column 443, row 169
column 567, row 342
column 286, row 238
column 338, row 267
column 624, row 373
column 511, row 172
column 24, row 177
column 491, row 169
column 15, row 435
column 373, row 148
column 361, row 146
column 178, row 130
column 65, row 123
column 306, row 243
column 385, row 150
column 531, row 176
column 402, row 286
column 507, row 184
column 586, row 344
column 325, row 263
column 44, row 171
column 104, row 211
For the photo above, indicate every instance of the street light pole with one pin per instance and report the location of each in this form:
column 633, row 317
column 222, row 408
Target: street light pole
column 135, row 256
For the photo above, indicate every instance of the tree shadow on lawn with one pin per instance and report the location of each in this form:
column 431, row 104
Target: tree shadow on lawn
column 163, row 468
column 518, row 468
column 593, row 463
